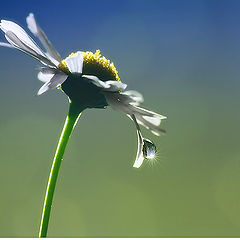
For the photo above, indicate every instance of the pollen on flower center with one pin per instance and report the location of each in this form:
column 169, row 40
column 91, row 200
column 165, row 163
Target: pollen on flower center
column 94, row 64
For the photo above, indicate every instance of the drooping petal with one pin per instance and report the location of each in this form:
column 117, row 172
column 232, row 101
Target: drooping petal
column 38, row 32
column 139, row 157
column 145, row 112
column 54, row 82
column 130, row 97
column 150, row 123
column 134, row 97
column 156, row 120
column 95, row 80
column 146, row 148
column 20, row 39
column 115, row 86
column 123, row 103
column 109, row 86
column 75, row 63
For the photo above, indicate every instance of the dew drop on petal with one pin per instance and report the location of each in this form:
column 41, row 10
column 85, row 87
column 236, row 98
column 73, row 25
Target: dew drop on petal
column 149, row 149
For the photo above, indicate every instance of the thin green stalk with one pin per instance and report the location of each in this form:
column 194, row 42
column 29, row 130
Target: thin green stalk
column 71, row 120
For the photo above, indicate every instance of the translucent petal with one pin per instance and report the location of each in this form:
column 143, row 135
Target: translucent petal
column 55, row 82
column 139, row 158
column 136, row 97
column 95, row 80
column 20, row 34
column 45, row 77
column 150, row 124
column 156, row 120
column 17, row 43
column 115, row 86
column 20, row 39
column 109, row 86
column 38, row 32
column 148, row 119
column 3, row 44
column 48, row 70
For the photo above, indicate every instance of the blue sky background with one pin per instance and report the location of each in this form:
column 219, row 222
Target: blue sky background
column 184, row 57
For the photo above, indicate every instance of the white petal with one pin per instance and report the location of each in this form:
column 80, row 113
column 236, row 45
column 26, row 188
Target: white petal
column 145, row 112
column 47, row 73
column 45, row 77
column 130, row 97
column 48, row 70
column 148, row 119
column 75, row 63
column 3, row 44
column 156, row 120
column 38, row 32
column 20, row 33
column 157, row 132
column 55, row 82
column 53, row 60
column 109, row 86
column 139, row 158
column 117, row 103
column 16, row 42
column 115, row 86
column 136, row 97
column 149, row 124
column 32, row 25
column 20, row 39
column 95, row 80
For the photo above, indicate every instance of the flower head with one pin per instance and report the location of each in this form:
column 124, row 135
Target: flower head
column 88, row 79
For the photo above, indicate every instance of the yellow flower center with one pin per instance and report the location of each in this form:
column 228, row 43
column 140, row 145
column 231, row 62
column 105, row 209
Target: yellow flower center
column 94, row 64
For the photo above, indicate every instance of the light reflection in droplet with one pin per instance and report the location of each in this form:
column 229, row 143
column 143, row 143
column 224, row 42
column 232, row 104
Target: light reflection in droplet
column 149, row 149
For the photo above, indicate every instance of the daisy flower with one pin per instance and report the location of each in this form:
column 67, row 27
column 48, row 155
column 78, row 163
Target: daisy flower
column 88, row 79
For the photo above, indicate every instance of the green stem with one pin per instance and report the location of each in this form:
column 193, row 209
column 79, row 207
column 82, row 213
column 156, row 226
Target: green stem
column 71, row 120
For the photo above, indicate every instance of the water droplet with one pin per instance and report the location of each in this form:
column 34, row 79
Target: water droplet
column 149, row 149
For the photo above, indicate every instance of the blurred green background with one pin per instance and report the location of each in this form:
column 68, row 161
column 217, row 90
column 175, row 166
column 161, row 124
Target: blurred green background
column 184, row 56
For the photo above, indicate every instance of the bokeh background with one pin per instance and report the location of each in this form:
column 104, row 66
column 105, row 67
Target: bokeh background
column 184, row 56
